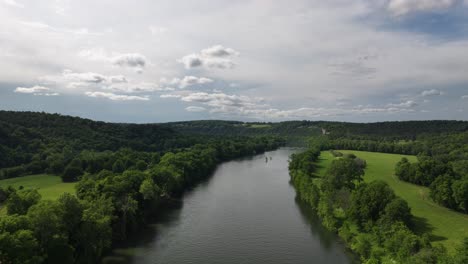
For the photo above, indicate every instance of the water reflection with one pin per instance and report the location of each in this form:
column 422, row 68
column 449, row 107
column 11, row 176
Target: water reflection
column 246, row 213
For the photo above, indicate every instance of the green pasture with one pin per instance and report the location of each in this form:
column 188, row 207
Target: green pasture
column 49, row 186
column 444, row 225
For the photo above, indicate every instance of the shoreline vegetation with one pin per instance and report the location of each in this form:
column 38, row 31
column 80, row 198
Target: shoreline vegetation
column 365, row 211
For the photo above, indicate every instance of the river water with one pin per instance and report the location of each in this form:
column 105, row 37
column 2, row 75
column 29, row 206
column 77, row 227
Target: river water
column 246, row 212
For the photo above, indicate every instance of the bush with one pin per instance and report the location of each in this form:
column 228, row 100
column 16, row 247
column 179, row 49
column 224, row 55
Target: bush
column 72, row 171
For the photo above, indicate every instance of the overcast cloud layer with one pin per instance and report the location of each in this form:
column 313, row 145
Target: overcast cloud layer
column 155, row 61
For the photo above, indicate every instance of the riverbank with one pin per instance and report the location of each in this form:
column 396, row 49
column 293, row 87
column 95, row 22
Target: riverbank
column 246, row 212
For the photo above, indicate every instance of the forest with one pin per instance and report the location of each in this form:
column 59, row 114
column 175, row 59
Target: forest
column 124, row 173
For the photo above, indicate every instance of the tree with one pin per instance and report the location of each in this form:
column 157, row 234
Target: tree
column 401, row 243
column 398, row 210
column 363, row 245
column 56, row 164
column 19, row 202
column 118, row 166
column 403, row 169
column 441, row 191
column 71, row 213
column 460, row 194
column 148, row 189
column 73, row 170
column 46, row 221
column 128, row 207
column 141, row 165
column 460, row 168
column 20, row 247
column 94, row 234
column 369, row 201
column 344, row 172
column 155, row 158
column 461, row 255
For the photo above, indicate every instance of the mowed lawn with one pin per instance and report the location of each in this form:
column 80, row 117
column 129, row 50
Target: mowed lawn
column 445, row 226
column 49, row 186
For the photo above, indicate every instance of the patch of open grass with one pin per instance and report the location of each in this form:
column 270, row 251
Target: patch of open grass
column 49, row 186
column 445, row 226
column 260, row 126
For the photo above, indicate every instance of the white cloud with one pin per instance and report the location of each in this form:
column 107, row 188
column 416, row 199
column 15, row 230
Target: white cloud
column 244, row 106
column 34, row 89
column 13, row 3
column 90, row 81
column 213, row 57
column 71, row 79
column 192, row 80
column 465, row 96
column 221, row 100
column 218, row 51
column 406, row 104
column 130, row 60
column 403, row 7
column 84, row 77
column 36, row 25
column 186, row 81
column 94, row 54
column 142, row 87
column 195, row 109
column 45, row 28
column 117, row 97
column 192, row 61
column 170, row 96
column 431, row 92
column 157, row 30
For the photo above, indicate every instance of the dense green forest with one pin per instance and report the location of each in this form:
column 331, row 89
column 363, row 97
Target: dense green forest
column 398, row 130
column 28, row 138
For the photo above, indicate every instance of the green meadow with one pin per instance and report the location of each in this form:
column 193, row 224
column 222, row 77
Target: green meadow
column 444, row 225
column 49, row 186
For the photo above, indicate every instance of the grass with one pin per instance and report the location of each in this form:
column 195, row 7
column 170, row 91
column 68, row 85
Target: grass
column 446, row 227
column 260, row 126
column 49, row 186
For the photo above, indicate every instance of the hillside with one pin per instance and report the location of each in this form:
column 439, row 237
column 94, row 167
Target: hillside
column 387, row 130
column 25, row 134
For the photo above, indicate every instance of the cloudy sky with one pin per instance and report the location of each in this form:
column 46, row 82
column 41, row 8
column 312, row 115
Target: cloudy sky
column 157, row 61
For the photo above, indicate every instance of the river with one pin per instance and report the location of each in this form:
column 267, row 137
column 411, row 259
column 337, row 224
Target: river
column 246, row 212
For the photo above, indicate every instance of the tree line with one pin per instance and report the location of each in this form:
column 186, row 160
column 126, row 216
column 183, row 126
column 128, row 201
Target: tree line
column 448, row 182
column 31, row 141
column 374, row 222
column 395, row 130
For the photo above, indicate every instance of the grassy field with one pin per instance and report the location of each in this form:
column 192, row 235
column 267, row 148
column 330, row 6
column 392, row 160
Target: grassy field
column 445, row 226
column 49, row 186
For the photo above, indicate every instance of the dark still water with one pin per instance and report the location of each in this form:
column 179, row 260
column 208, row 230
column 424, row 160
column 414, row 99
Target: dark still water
column 245, row 213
